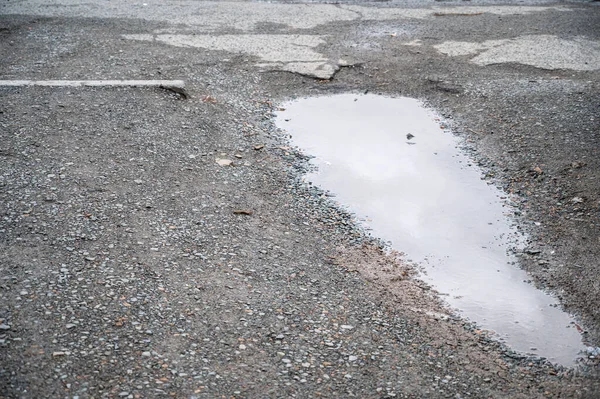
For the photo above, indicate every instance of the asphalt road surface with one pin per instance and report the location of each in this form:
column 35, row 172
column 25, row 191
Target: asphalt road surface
column 157, row 240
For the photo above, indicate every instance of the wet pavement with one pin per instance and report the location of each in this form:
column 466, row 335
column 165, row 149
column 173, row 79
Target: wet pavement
column 398, row 167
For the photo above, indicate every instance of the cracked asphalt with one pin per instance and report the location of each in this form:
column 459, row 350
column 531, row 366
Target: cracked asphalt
column 153, row 245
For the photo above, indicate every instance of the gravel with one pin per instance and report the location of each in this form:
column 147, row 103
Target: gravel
column 127, row 269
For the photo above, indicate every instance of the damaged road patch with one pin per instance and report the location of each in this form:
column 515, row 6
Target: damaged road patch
column 541, row 51
column 291, row 53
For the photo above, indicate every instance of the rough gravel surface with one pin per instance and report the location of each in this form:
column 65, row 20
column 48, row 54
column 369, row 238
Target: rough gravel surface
column 158, row 246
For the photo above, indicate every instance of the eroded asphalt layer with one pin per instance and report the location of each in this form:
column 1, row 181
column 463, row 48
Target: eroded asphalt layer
column 137, row 261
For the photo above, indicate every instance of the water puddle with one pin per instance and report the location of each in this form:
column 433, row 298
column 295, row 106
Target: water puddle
column 390, row 162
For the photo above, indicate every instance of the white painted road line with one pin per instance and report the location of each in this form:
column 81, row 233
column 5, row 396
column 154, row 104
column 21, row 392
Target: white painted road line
column 168, row 84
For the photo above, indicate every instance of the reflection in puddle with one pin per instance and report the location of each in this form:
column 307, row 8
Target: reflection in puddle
column 390, row 163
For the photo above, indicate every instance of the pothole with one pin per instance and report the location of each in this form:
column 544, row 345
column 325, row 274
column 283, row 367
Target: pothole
column 394, row 164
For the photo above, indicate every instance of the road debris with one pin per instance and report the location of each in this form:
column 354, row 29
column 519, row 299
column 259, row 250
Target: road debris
column 243, row 212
